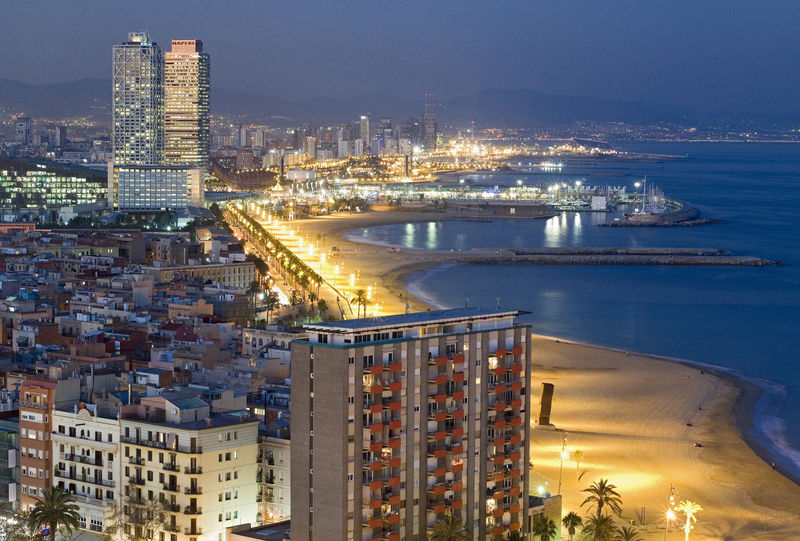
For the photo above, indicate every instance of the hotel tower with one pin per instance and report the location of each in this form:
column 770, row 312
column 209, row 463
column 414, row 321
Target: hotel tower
column 402, row 420
column 138, row 101
column 187, row 98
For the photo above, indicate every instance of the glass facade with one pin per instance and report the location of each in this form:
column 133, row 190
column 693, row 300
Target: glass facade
column 25, row 184
column 187, row 102
column 156, row 188
column 138, row 101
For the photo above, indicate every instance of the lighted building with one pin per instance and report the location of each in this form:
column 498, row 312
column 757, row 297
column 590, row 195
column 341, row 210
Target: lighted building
column 399, row 421
column 24, row 184
column 9, row 460
column 138, row 101
column 187, row 104
column 154, row 187
column 429, row 123
column 273, row 478
column 201, row 467
column 237, row 275
column 85, row 451
column 364, row 128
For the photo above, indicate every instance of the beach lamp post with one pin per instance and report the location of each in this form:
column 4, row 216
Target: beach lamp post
column 670, row 515
column 563, row 456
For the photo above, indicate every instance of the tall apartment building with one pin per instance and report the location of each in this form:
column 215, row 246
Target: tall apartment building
column 187, row 104
column 364, row 128
column 37, row 399
column 24, row 131
column 274, row 479
column 138, row 101
column 202, row 467
column 86, row 462
column 398, row 421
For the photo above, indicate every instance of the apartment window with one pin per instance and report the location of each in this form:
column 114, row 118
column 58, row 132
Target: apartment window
column 228, row 476
column 227, row 456
column 220, row 496
column 219, row 478
column 220, row 457
column 227, row 496
column 236, row 454
column 351, row 360
column 350, row 400
column 220, row 518
column 235, row 515
column 236, row 474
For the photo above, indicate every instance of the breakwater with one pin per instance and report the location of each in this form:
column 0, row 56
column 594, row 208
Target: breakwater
column 589, row 256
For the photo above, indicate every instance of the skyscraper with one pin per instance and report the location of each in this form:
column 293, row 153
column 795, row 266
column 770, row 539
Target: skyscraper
column 138, row 101
column 402, row 420
column 430, row 122
column 364, row 129
column 187, row 103
column 23, row 131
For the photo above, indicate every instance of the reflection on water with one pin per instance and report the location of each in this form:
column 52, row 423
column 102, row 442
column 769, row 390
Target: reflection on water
column 431, row 240
column 409, row 237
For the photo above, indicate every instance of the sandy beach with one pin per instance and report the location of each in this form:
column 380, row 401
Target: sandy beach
column 636, row 418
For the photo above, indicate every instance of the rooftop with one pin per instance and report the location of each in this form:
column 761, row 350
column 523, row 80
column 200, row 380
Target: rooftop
column 405, row 320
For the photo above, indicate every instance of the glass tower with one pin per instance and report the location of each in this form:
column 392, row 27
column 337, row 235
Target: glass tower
column 138, row 116
column 187, row 97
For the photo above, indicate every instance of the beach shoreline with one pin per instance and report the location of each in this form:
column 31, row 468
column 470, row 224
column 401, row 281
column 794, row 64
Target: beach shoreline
column 732, row 409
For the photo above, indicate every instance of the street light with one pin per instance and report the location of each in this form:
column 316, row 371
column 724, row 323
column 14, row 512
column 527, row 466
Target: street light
column 563, row 456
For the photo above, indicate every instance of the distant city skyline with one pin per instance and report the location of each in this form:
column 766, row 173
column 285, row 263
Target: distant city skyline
column 734, row 56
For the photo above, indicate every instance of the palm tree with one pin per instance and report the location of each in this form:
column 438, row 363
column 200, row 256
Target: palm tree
column 627, row 533
column 689, row 508
column 577, row 456
column 55, row 509
column 599, row 528
column 544, row 527
column 571, row 521
column 271, row 302
column 449, row 528
column 603, row 494
column 360, row 300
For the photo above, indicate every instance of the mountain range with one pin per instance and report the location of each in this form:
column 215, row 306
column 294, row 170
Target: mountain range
column 489, row 108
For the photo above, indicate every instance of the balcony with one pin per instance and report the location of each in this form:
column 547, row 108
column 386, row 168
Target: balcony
column 171, row 507
column 192, row 490
column 173, row 528
column 136, row 481
column 62, row 474
column 33, row 405
column 193, row 470
column 193, row 531
column 136, row 460
column 83, row 459
column 171, row 487
column 169, row 466
column 189, row 510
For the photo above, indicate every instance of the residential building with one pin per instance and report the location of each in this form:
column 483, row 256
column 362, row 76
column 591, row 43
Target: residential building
column 187, row 104
column 86, row 461
column 415, row 417
column 37, row 399
column 274, row 494
column 238, row 275
column 138, row 101
column 201, row 467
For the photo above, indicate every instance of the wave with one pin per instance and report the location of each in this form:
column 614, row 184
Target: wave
column 415, row 283
column 356, row 235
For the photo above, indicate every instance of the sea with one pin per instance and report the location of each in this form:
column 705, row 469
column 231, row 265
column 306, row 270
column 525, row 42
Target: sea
column 743, row 320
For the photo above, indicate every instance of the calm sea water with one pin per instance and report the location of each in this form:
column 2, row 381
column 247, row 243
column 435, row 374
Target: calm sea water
column 743, row 319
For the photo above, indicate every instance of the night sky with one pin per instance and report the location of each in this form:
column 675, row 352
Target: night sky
column 736, row 55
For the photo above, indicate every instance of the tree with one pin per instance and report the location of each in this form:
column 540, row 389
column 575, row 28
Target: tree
column 603, row 494
column 56, row 509
column 148, row 517
column 544, row 527
column 689, row 508
column 571, row 521
column 322, row 308
column 272, row 302
column 599, row 528
column 449, row 528
column 577, row 456
column 627, row 533
column 360, row 299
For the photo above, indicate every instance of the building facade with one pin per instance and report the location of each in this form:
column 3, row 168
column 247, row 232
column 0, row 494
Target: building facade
column 187, row 104
column 274, row 471
column 138, row 101
column 154, row 188
column 86, row 462
column 24, row 184
column 417, row 416
column 24, row 131
column 35, row 425
column 9, row 460
column 202, row 468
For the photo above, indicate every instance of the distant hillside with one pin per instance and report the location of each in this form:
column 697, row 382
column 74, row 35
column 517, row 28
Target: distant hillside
column 491, row 107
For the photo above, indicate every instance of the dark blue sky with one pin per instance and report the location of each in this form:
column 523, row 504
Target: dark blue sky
column 728, row 54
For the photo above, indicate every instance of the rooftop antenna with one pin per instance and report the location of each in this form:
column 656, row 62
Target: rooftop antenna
column 498, row 303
